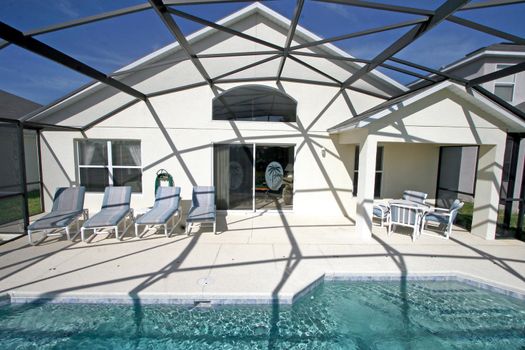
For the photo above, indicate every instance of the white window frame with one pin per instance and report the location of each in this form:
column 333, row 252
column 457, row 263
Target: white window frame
column 506, row 83
column 110, row 165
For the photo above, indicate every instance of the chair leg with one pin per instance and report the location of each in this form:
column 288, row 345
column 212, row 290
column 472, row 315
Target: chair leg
column 29, row 237
column 67, row 233
column 214, row 227
column 82, row 234
column 166, row 230
column 137, row 230
column 415, row 231
column 179, row 215
column 116, row 232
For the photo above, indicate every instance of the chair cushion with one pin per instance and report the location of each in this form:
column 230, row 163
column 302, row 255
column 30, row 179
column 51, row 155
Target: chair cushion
column 435, row 217
column 55, row 219
column 201, row 214
column 380, row 211
column 167, row 201
column 167, row 197
column 107, row 217
column 69, row 199
column 203, row 204
column 203, row 196
column 117, row 197
column 455, row 205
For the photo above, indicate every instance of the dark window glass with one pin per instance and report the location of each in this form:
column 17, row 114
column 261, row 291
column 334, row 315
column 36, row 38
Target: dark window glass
column 94, row 179
column 254, row 103
column 356, row 159
column 93, row 152
column 104, row 162
column 379, row 159
column 377, row 185
column 126, row 153
column 505, row 92
column 379, row 171
column 128, row 177
column 233, row 176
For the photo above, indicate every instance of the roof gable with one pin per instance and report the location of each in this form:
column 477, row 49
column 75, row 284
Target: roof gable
column 375, row 115
column 168, row 69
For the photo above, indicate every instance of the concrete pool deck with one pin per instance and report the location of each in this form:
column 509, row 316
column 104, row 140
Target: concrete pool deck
column 254, row 259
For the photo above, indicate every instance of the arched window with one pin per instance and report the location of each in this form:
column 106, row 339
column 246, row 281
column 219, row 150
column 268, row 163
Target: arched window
column 254, row 103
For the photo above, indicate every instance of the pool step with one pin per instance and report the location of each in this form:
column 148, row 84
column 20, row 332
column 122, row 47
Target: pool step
column 202, row 304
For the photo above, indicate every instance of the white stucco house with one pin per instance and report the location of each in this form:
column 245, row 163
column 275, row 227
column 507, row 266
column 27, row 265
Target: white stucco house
column 227, row 133
column 511, row 89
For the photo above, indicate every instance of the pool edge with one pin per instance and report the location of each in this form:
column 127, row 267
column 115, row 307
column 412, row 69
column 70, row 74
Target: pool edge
column 16, row 297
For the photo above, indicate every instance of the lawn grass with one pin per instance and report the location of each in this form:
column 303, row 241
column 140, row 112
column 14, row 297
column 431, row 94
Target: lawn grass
column 464, row 218
column 11, row 208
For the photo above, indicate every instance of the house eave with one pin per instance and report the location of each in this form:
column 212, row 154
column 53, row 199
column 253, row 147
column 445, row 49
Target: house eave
column 514, row 123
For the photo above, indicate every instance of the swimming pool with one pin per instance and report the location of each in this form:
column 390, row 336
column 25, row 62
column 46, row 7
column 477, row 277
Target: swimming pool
column 336, row 315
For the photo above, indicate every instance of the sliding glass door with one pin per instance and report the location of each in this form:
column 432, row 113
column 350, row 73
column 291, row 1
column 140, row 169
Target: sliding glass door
column 274, row 177
column 253, row 177
column 233, row 176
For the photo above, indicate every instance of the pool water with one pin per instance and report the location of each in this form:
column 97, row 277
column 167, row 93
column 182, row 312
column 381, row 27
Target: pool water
column 336, row 315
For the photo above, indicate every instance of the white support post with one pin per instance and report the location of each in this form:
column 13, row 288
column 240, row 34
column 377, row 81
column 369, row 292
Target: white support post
column 365, row 186
column 486, row 198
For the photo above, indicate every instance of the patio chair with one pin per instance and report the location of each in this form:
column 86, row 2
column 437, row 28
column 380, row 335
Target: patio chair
column 415, row 196
column 444, row 218
column 68, row 207
column 115, row 210
column 381, row 211
column 202, row 207
column 404, row 215
column 166, row 208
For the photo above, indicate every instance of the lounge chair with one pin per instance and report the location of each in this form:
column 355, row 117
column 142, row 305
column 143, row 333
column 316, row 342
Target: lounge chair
column 202, row 207
column 381, row 211
column 415, row 196
column 115, row 209
column 443, row 217
column 405, row 215
column 166, row 208
column 68, row 207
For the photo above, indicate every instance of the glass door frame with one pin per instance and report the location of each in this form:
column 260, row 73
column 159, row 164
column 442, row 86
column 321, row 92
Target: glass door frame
column 254, row 148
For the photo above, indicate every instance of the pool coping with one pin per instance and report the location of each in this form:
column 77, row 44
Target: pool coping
column 216, row 299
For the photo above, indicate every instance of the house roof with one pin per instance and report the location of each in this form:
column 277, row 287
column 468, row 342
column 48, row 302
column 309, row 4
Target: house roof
column 115, row 92
column 502, row 50
column 14, row 107
column 107, row 99
column 362, row 120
